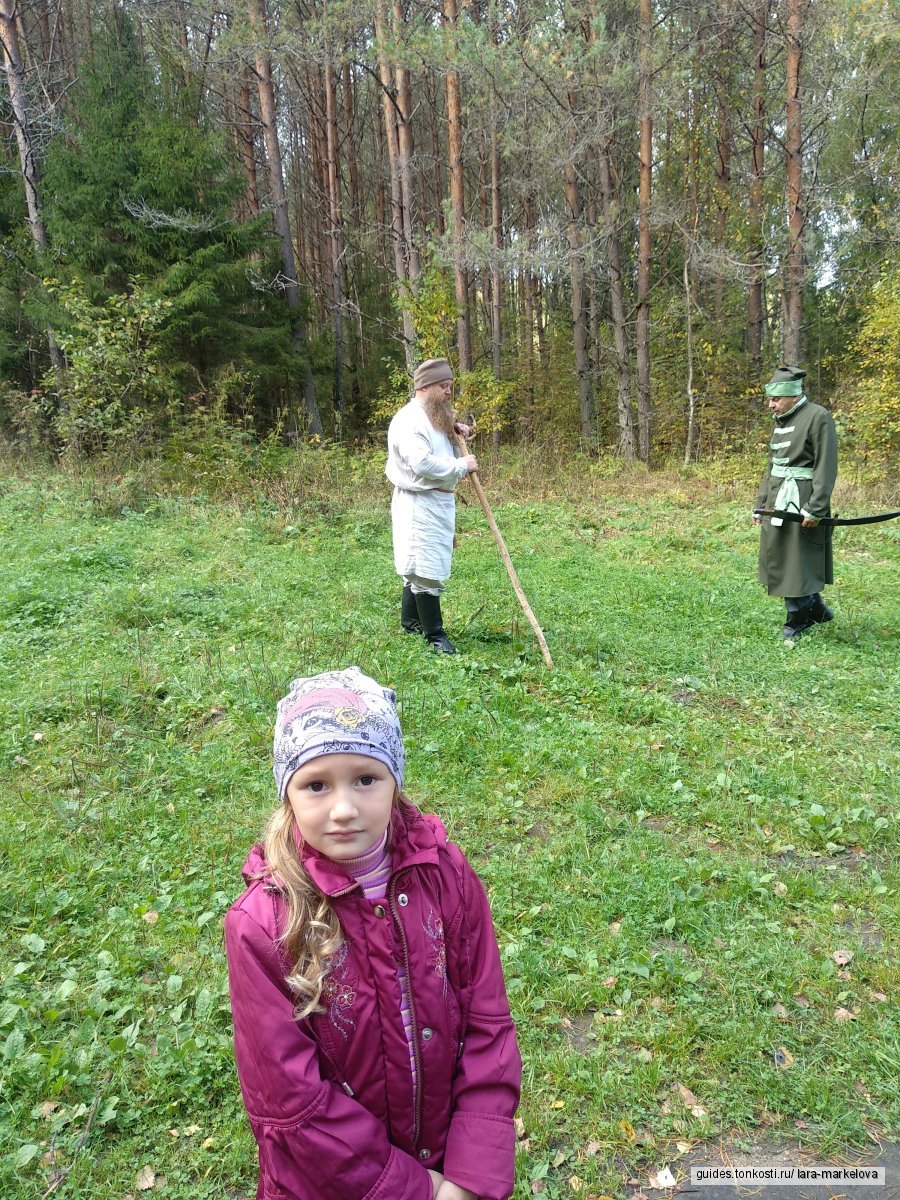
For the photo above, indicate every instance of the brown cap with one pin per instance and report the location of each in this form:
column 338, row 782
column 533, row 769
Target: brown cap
column 432, row 370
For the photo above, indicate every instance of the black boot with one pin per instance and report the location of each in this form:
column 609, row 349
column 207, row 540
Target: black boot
column 798, row 620
column 819, row 610
column 432, row 623
column 409, row 612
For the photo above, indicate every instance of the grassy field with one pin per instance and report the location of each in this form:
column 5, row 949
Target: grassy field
column 688, row 830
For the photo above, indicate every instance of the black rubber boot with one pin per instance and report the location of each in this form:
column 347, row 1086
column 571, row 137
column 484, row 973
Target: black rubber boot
column 432, row 623
column 798, row 621
column 819, row 610
column 409, row 612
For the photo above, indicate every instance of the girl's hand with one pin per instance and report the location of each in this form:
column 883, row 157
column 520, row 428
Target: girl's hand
column 452, row 1191
column 437, row 1180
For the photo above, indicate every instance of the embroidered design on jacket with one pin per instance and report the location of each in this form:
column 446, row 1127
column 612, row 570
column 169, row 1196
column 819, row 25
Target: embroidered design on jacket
column 339, row 994
column 437, row 950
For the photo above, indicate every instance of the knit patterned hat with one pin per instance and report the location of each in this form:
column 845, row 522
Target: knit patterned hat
column 337, row 712
column 432, row 370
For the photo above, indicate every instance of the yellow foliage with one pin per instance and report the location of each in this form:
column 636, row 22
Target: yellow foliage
column 871, row 404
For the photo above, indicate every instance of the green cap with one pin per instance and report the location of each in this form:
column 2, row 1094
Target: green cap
column 786, row 381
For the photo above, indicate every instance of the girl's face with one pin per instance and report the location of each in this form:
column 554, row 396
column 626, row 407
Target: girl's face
column 342, row 803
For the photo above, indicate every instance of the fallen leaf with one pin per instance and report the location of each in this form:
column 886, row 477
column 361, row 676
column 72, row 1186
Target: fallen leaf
column 538, row 1186
column 784, row 1060
column 46, row 1108
column 802, row 1001
column 558, row 1104
column 610, row 981
column 151, row 917
column 662, row 1179
column 146, row 1179
column 690, row 1100
column 615, row 927
column 558, row 1159
column 842, row 957
column 779, row 888
column 844, row 1014
column 683, row 1147
column 170, row 809
column 50, row 1158
column 575, row 1183
column 628, row 1130
column 879, row 996
column 779, row 1011
column 845, row 976
column 209, row 1143
column 592, row 1149
column 190, row 1130
column 520, row 1128
column 801, row 1125
column 174, row 1133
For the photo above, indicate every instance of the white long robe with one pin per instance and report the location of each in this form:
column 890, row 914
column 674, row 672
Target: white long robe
column 424, row 469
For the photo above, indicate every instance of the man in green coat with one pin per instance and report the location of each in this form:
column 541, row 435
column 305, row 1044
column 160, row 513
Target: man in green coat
column 795, row 559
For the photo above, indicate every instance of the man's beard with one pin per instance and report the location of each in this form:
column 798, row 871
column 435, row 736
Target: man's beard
column 438, row 410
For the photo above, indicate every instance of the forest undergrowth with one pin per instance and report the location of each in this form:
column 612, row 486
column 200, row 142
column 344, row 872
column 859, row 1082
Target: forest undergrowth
column 688, row 831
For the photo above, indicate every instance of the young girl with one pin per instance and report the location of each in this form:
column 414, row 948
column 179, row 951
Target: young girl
column 375, row 1048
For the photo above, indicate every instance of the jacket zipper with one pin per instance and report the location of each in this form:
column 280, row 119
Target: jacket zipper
column 417, row 1083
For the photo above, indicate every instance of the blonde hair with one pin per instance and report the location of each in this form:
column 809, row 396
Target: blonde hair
column 312, row 934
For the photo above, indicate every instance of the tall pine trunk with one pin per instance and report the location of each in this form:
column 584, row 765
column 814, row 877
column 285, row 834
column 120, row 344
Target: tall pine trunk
column 755, row 318
column 336, row 239
column 268, row 116
column 457, row 197
column 405, row 151
column 576, row 274
column 642, row 321
column 496, row 246
column 25, row 139
column 398, row 237
column 796, row 200
column 610, row 199
column 724, row 54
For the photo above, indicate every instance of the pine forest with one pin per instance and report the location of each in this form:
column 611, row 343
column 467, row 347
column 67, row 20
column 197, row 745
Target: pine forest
column 615, row 217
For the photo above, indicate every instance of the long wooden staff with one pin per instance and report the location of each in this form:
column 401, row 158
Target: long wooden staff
column 510, row 569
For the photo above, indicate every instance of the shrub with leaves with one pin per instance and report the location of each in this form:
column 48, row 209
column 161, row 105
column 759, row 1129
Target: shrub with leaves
column 872, row 402
column 116, row 383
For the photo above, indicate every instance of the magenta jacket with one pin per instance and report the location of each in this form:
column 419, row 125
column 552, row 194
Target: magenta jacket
column 331, row 1098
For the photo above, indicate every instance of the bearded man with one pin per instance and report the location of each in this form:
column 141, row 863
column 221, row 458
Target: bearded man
column 795, row 559
column 425, row 465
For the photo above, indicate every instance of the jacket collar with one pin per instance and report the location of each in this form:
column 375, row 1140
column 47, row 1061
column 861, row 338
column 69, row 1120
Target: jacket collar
column 779, row 417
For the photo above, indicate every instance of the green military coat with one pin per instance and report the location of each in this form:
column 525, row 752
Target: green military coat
column 794, row 561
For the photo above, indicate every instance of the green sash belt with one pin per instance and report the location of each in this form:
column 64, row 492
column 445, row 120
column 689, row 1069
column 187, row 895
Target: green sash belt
column 788, row 494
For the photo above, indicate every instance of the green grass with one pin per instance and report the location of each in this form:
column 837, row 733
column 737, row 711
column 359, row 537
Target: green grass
column 678, row 826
